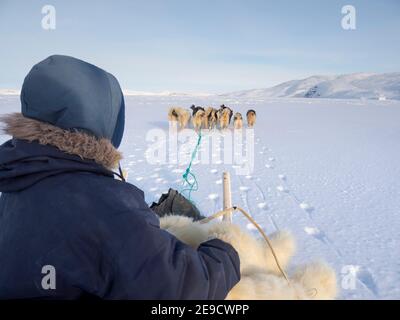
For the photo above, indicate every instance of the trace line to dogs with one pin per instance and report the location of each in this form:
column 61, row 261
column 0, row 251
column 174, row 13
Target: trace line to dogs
column 193, row 185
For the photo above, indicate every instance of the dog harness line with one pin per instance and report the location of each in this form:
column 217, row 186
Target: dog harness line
column 192, row 185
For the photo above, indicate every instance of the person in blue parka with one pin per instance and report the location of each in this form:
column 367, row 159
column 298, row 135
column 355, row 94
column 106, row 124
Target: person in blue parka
column 68, row 229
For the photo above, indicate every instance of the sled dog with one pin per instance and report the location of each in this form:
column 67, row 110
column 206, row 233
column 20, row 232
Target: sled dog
column 198, row 119
column 224, row 118
column 179, row 115
column 210, row 118
column 238, row 121
column 222, row 108
column 251, row 118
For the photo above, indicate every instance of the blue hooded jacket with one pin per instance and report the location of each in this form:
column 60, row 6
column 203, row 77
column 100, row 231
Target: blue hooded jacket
column 67, row 212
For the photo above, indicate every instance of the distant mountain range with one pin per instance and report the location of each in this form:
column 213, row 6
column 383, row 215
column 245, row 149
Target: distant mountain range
column 9, row 92
column 349, row 86
column 165, row 94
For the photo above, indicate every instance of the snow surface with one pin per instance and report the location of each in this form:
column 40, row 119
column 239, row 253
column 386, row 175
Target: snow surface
column 349, row 86
column 327, row 170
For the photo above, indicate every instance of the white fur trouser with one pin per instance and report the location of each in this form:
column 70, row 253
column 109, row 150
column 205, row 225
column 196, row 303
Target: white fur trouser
column 260, row 276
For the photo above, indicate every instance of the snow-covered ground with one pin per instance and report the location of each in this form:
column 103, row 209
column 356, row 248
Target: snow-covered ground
column 328, row 170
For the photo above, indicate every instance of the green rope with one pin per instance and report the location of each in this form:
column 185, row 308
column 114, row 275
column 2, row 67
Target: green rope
column 193, row 185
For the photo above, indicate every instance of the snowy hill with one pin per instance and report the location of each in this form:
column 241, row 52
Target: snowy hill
column 9, row 92
column 351, row 86
column 128, row 92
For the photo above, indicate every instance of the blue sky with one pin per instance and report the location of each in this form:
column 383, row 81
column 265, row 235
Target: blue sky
column 202, row 46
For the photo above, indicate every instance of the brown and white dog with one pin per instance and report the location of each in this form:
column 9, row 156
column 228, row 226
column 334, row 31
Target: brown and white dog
column 224, row 117
column 179, row 115
column 238, row 121
column 84, row 145
column 221, row 109
column 210, row 118
column 251, row 118
column 198, row 119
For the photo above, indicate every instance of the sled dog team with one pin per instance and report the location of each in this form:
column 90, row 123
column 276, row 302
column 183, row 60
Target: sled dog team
column 210, row 118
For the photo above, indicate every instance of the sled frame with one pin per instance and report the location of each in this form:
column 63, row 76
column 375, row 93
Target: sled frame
column 227, row 196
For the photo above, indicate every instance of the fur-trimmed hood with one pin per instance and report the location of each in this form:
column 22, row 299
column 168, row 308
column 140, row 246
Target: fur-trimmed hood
column 39, row 150
column 78, row 143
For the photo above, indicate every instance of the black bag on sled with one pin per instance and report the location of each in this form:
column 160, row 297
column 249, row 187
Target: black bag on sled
column 175, row 203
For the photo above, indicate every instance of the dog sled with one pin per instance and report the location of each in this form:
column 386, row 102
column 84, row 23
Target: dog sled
column 263, row 261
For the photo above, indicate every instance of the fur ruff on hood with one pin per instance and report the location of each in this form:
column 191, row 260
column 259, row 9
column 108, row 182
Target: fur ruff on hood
column 74, row 142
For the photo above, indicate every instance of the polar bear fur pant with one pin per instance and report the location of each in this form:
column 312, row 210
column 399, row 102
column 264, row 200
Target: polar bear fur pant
column 260, row 276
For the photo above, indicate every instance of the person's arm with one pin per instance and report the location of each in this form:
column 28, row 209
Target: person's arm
column 150, row 263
